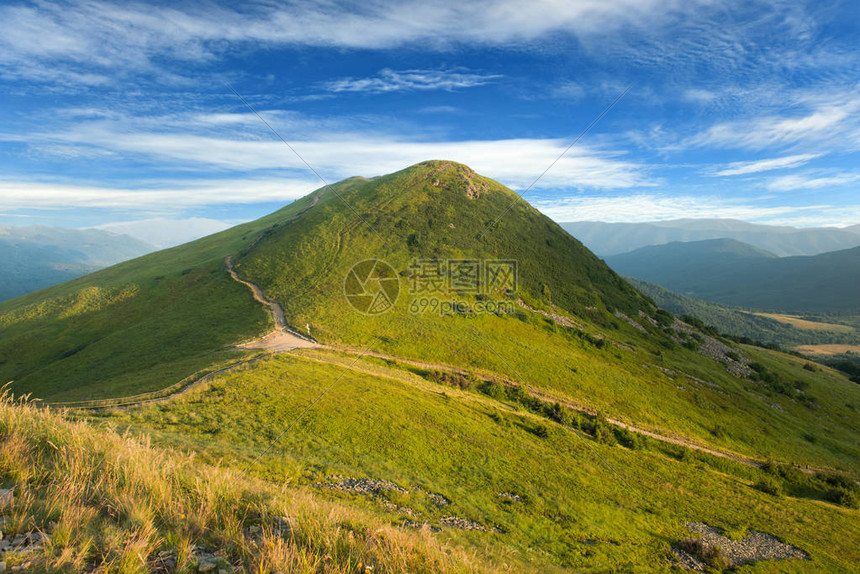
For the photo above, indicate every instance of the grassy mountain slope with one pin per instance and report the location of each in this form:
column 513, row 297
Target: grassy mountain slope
column 146, row 324
column 546, row 495
column 112, row 503
column 435, row 209
column 426, row 211
column 740, row 276
column 135, row 327
column 607, row 239
column 36, row 257
column 483, row 420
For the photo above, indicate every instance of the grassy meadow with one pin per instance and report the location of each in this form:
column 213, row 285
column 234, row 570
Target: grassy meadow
column 113, row 503
column 582, row 503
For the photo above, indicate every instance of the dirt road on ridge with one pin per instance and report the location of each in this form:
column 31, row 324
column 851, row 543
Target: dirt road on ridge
column 283, row 338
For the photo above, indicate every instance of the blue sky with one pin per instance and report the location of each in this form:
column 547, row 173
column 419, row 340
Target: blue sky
column 114, row 111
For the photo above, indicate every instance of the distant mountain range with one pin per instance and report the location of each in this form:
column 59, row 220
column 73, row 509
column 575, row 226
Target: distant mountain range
column 35, row 257
column 734, row 273
column 163, row 233
column 737, row 322
column 606, row 239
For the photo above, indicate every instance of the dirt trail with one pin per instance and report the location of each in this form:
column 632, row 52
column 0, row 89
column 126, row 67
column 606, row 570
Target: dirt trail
column 283, row 338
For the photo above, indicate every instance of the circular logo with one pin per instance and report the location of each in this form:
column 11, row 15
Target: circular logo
column 371, row 286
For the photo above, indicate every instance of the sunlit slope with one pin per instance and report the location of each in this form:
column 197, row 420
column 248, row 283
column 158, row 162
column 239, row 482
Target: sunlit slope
column 134, row 327
column 639, row 374
column 544, row 495
column 573, row 330
column 439, row 210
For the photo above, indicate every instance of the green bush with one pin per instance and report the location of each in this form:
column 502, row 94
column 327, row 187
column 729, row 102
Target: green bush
column 843, row 497
column 540, row 431
column 664, row 318
column 494, row 389
column 602, row 431
column 770, row 485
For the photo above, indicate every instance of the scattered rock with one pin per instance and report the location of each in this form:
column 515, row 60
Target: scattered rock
column 24, row 542
column 367, row 486
column 687, row 561
column 755, row 547
column 510, row 496
column 419, row 525
column 206, row 562
column 165, row 562
column 474, row 186
column 632, row 322
column 643, row 315
column 461, row 523
column 717, row 350
column 6, row 496
column 555, row 317
column 438, row 499
column 284, row 526
column 2, row 566
column 391, row 507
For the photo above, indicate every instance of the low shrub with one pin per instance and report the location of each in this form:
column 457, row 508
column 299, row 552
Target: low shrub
column 770, row 485
column 710, row 555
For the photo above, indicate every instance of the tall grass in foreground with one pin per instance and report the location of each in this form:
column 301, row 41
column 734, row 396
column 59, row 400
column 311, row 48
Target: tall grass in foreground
column 112, row 503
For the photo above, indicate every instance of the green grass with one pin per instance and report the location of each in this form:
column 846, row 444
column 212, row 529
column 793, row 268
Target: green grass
column 304, row 265
column 585, row 505
column 135, row 327
column 112, row 503
column 146, row 324
column 587, row 502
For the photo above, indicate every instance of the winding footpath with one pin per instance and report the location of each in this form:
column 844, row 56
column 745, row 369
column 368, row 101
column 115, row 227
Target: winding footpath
column 283, row 338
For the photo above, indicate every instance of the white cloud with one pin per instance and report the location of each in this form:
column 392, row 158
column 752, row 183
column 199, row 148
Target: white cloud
column 568, row 91
column 807, row 181
column 166, row 195
column 700, row 96
column 105, row 38
column 71, row 30
column 747, row 167
column 406, row 80
column 826, row 122
column 653, row 207
column 217, row 141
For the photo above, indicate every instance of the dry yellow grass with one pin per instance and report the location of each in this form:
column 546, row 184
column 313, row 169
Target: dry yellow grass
column 112, row 502
column 828, row 349
column 805, row 324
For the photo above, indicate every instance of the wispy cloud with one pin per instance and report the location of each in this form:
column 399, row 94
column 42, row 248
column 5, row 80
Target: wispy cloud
column 568, row 90
column 748, row 167
column 106, row 38
column 408, row 80
column 175, row 194
column 826, row 122
column 239, row 143
column 809, row 181
column 655, row 207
